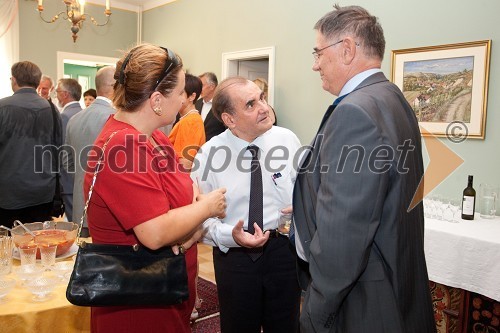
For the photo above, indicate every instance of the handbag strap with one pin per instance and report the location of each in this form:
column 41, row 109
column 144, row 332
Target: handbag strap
column 97, row 169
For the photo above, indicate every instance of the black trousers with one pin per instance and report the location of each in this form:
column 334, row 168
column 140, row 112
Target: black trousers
column 38, row 213
column 262, row 294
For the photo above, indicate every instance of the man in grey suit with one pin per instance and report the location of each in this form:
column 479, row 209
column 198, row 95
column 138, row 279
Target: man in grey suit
column 362, row 249
column 82, row 131
column 69, row 93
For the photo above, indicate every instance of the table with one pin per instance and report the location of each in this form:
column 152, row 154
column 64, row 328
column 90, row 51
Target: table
column 465, row 255
column 19, row 314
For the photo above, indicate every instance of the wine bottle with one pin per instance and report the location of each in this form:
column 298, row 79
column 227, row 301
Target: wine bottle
column 469, row 201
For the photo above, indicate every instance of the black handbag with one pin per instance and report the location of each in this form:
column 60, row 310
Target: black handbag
column 125, row 275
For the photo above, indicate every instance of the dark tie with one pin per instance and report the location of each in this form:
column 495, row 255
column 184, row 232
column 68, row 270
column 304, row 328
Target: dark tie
column 256, row 205
column 291, row 234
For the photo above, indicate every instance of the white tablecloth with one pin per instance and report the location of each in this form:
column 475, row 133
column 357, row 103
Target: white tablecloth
column 465, row 255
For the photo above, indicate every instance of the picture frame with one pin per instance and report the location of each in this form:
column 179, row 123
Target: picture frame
column 446, row 85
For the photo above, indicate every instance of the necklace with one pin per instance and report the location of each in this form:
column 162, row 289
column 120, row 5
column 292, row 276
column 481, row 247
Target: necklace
column 190, row 111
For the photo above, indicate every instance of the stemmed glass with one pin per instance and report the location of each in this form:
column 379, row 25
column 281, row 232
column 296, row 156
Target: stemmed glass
column 27, row 253
column 456, row 209
column 47, row 254
column 41, row 287
column 448, row 214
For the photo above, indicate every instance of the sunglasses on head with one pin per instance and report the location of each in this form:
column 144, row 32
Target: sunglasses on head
column 170, row 64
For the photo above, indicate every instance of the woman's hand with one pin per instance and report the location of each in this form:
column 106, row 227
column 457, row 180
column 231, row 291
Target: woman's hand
column 246, row 239
column 183, row 246
column 215, row 202
column 186, row 164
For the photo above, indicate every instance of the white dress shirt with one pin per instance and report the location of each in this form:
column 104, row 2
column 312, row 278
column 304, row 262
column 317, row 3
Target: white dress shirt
column 205, row 109
column 225, row 162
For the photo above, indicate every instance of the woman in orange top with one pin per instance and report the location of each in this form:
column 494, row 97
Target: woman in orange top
column 188, row 135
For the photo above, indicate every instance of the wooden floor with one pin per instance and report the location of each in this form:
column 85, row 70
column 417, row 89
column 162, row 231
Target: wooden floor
column 206, row 262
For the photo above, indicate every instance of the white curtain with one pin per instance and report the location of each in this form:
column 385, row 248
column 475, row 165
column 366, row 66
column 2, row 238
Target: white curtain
column 9, row 43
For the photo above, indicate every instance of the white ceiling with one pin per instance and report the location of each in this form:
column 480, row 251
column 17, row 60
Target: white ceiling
column 134, row 5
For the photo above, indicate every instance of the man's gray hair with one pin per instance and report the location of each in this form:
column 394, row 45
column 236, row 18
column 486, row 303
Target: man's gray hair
column 211, row 77
column 47, row 78
column 72, row 87
column 357, row 22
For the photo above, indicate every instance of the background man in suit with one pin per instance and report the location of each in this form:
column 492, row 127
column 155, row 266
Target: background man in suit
column 213, row 126
column 81, row 132
column 255, row 270
column 365, row 250
column 69, row 93
column 45, row 87
column 26, row 122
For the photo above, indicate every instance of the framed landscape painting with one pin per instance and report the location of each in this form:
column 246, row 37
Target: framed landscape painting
column 446, row 85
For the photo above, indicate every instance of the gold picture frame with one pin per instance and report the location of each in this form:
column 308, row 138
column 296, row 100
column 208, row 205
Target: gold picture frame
column 446, row 85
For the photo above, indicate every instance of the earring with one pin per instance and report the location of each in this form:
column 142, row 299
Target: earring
column 158, row 111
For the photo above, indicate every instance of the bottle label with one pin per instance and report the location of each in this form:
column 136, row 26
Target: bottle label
column 468, row 205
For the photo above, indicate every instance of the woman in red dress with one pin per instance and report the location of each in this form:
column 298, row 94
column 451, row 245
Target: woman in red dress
column 142, row 195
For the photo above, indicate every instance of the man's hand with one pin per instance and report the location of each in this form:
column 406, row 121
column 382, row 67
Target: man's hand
column 246, row 239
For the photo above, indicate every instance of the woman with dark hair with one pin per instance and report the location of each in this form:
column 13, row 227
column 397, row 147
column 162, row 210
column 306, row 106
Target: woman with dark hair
column 141, row 195
column 188, row 134
column 89, row 97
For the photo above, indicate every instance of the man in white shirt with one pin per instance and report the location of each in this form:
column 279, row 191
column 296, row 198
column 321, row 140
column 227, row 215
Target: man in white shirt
column 213, row 126
column 81, row 132
column 254, row 265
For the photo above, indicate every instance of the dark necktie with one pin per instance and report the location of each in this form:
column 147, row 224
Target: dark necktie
column 291, row 234
column 256, row 205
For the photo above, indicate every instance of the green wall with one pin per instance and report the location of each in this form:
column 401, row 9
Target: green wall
column 75, row 70
column 39, row 41
column 201, row 30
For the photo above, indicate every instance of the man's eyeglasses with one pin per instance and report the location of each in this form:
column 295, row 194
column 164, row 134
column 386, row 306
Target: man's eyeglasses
column 316, row 54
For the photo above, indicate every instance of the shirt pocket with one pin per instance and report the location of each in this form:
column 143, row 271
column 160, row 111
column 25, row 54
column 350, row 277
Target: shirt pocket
column 282, row 183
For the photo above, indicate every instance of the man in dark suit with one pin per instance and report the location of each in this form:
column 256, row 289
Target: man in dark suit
column 69, row 93
column 213, row 126
column 27, row 180
column 362, row 248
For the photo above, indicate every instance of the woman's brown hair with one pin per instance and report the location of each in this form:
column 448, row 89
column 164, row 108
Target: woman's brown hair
column 143, row 70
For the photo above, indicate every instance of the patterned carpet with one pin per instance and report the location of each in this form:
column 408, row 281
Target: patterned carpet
column 208, row 320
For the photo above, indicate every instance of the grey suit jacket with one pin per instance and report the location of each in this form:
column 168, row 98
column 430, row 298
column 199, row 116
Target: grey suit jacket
column 367, row 270
column 67, row 178
column 81, row 133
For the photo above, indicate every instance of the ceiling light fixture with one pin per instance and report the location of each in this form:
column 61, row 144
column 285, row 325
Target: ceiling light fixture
column 75, row 13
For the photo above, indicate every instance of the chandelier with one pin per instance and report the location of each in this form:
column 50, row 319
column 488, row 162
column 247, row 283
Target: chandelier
column 75, row 13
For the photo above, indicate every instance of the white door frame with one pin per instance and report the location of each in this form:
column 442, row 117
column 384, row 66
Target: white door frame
column 88, row 59
column 230, row 65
